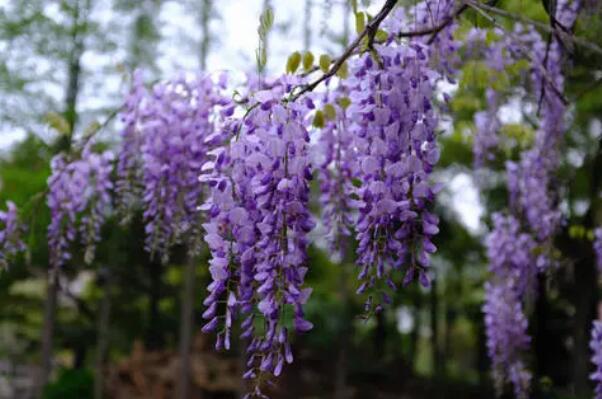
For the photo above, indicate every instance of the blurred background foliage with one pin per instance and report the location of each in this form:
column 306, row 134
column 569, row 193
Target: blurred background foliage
column 64, row 66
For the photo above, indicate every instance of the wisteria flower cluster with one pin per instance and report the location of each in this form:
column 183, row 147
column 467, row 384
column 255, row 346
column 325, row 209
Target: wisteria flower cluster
column 79, row 199
column 530, row 180
column 394, row 133
column 163, row 143
column 596, row 347
column 513, row 264
column 598, row 248
column 337, row 167
column 129, row 187
column 11, row 232
column 507, row 339
column 257, row 234
column 236, row 174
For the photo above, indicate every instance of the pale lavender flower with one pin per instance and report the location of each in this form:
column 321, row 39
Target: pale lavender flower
column 596, row 347
column 11, row 234
column 79, row 201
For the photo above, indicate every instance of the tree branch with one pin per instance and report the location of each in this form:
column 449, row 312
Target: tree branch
column 542, row 68
column 369, row 32
column 594, row 48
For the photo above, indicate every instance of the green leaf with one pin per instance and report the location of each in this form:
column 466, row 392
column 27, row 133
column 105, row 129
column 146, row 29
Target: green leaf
column 344, row 102
column 261, row 56
column 343, row 72
column 381, row 35
column 325, row 62
column 92, row 129
column 330, row 112
column 308, row 60
column 267, row 19
column 577, row 231
column 58, row 122
column 293, row 62
column 319, row 119
column 360, row 22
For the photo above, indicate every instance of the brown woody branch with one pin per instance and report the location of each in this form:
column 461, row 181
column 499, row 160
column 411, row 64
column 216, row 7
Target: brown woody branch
column 557, row 29
column 369, row 32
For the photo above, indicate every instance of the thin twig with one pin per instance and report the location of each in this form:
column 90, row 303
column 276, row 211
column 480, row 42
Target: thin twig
column 102, row 126
column 545, row 27
column 543, row 71
column 369, row 31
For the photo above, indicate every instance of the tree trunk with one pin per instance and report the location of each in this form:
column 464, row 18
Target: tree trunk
column 154, row 334
column 340, row 378
column 186, row 326
column 48, row 330
column 414, row 334
column 206, row 33
column 103, row 336
column 307, row 25
column 585, row 310
column 586, row 286
column 436, row 347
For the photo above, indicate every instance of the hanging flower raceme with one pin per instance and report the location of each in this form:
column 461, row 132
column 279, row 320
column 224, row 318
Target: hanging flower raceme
column 259, row 221
column 512, row 254
column 513, row 264
column 79, row 200
column 442, row 46
column 498, row 51
column 173, row 126
column 393, row 122
column 337, row 167
column 487, row 125
column 507, row 339
column 531, row 180
column 11, row 232
column 129, row 163
column 598, row 248
column 596, row 347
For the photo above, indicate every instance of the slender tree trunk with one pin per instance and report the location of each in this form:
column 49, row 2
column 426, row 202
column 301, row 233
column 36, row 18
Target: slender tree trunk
column 414, row 334
column 585, row 310
column 48, row 330
column 186, row 325
column 340, row 382
column 78, row 27
column 206, row 33
column 586, row 286
column 346, row 14
column 340, row 378
column 103, row 336
column 154, row 334
column 436, row 347
column 307, row 25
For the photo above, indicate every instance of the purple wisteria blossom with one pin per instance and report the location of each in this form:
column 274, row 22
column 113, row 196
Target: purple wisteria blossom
column 259, row 221
column 507, row 339
column 531, row 180
column 393, row 122
column 11, row 232
column 598, row 248
column 173, row 126
column 337, row 167
column 596, row 347
column 513, row 264
column 487, row 124
column 79, row 200
column 512, row 254
column 129, row 163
